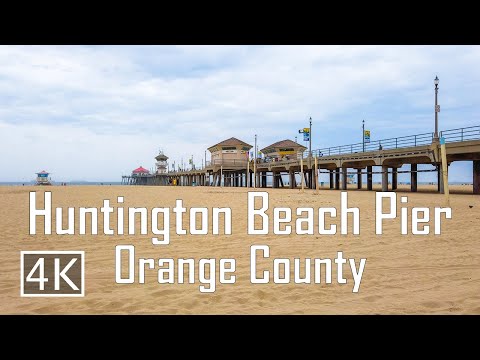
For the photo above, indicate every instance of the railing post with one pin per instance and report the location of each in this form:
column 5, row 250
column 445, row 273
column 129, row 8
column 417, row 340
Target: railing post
column 415, row 140
column 462, row 134
column 329, row 151
column 396, row 143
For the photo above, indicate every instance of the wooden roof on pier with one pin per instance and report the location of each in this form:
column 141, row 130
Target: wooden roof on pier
column 231, row 142
column 140, row 170
column 284, row 144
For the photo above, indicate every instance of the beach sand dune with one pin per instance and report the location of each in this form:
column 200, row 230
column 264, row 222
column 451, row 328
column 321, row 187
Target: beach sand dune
column 404, row 274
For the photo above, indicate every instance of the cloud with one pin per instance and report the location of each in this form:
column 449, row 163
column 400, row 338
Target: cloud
column 95, row 112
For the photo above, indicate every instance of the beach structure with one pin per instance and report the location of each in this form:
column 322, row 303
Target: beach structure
column 43, row 178
column 344, row 164
column 161, row 171
column 142, row 176
column 161, row 164
column 139, row 176
column 284, row 150
column 229, row 164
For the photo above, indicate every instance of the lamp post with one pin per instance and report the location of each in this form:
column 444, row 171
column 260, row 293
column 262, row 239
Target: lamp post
column 309, row 148
column 363, row 134
column 437, row 108
column 255, row 164
column 310, row 143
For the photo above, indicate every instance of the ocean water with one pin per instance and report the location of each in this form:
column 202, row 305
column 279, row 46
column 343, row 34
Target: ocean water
column 54, row 183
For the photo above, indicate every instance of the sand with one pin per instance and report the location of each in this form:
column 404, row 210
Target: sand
column 403, row 275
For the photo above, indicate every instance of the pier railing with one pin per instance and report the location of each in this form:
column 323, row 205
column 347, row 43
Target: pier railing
column 461, row 134
column 384, row 144
column 228, row 162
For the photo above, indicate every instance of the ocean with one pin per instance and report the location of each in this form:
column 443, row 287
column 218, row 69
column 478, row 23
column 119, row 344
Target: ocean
column 55, row 183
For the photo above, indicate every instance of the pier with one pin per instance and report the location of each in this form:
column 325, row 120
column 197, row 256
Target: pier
column 386, row 157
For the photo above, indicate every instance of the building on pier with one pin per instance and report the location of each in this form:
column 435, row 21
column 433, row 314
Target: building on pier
column 229, row 162
column 161, row 172
column 141, row 176
column 161, row 164
column 283, row 150
column 231, row 151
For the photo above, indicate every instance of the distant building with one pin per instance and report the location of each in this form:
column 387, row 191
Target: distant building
column 141, row 171
column 42, row 178
column 161, row 164
column 229, row 152
column 283, row 150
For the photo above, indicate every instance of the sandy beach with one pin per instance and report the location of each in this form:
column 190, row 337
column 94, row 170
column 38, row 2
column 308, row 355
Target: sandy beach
column 404, row 274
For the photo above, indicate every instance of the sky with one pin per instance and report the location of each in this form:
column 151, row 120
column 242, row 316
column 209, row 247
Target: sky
column 95, row 113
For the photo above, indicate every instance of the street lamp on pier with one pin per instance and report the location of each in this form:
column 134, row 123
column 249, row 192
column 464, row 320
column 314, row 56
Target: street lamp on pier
column 437, row 108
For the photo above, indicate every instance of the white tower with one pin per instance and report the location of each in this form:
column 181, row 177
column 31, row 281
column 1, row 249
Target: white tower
column 161, row 163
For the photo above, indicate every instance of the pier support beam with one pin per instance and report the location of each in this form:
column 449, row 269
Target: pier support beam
column 439, row 178
column 344, row 178
column 337, row 179
column 359, row 178
column 413, row 177
column 441, row 188
column 264, row 179
column 369, row 178
column 384, row 178
column 331, row 184
column 394, row 178
column 291, row 179
column 476, row 177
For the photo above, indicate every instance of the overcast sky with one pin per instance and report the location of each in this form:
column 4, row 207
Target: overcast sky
column 97, row 112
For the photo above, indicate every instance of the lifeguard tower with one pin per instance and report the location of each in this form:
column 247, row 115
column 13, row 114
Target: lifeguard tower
column 42, row 178
column 161, row 169
column 161, row 164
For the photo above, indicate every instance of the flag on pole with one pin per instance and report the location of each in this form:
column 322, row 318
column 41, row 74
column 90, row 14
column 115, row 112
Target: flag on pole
column 366, row 136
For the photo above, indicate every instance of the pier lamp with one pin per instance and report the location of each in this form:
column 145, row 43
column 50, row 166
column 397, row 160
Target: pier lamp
column 437, row 108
